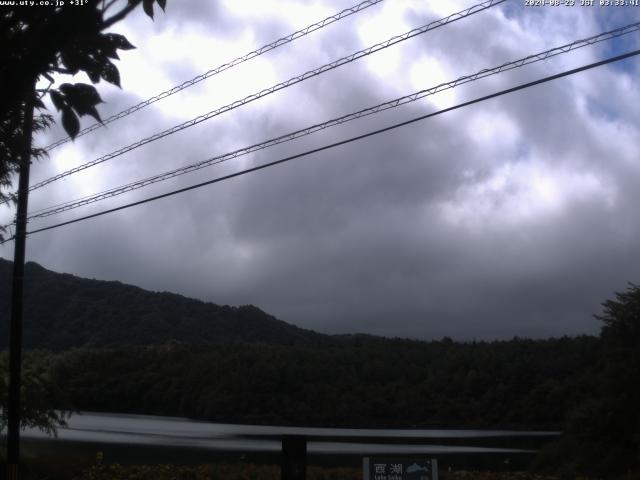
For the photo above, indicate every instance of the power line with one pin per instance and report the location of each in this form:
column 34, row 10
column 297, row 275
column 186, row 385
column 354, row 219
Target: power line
column 52, row 210
column 344, row 142
column 292, row 81
column 226, row 66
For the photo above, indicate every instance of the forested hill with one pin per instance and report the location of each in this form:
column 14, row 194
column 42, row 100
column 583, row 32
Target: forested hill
column 64, row 311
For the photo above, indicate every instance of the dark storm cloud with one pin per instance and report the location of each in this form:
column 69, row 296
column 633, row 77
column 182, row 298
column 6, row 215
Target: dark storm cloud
column 439, row 228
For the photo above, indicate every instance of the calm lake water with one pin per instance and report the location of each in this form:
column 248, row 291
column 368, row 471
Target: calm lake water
column 142, row 430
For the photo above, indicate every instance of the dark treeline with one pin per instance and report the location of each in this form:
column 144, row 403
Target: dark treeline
column 361, row 381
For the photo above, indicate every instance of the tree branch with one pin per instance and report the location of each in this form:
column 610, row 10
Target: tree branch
column 108, row 5
column 44, row 91
column 121, row 14
column 62, row 70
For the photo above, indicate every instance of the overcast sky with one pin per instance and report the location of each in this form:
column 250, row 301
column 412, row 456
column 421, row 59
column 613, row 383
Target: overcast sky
column 516, row 216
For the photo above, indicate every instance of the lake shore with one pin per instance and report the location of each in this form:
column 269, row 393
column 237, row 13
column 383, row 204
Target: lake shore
column 252, row 471
column 66, row 460
column 130, row 446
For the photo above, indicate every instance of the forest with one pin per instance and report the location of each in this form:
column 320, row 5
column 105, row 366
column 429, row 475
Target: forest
column 356, row 382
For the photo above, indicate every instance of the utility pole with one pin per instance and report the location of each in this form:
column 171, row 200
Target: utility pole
column 15, row 327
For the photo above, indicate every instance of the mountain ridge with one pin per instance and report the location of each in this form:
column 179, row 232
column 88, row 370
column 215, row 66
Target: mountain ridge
column 65, row 311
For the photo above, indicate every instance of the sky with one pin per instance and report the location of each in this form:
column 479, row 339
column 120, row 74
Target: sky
column 512, row 217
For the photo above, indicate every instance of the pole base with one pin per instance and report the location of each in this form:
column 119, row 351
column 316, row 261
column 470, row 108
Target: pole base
column 13, row 471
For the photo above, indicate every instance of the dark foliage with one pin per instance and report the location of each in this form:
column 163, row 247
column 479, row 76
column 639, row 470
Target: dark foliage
column 602, row 432
column 38, row 42
column 39, row 393
column 353, row 381
column 63, row 311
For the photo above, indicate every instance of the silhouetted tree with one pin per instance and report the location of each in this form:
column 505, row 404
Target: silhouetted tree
column 621, row 319
column 37, row 42
column 39, row 391
column 602, row 434
column 621, row 377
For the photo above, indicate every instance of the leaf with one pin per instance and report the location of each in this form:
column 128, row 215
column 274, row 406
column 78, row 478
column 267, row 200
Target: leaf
column 162, row 3
column 39, row 105
column 81, row 93
column 110, row 73
column 147, row 6
column 112, row 54
column 70, row 122
column 66, row 88
column 93, row 112
column 94, row 75
column 119, row 41
column 89, row 92
column 58, row 99
column 71, row 61
column 106, row 48
column 83, row 98
column 87, row 58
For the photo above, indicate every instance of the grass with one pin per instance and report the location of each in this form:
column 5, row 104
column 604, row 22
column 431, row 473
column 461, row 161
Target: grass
column 246, row 471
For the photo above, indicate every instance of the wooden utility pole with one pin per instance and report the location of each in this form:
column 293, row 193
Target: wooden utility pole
column 15, row 327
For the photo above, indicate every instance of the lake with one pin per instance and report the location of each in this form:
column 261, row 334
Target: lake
column 121, row 435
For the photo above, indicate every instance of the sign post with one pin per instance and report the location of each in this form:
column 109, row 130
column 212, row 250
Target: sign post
column 294, row 457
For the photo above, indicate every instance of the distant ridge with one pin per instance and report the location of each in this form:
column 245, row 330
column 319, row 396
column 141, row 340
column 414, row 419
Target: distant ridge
column 64, row 311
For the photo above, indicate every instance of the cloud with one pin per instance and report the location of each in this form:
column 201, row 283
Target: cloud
column 511, row 217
